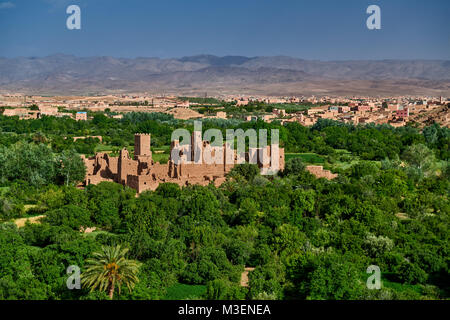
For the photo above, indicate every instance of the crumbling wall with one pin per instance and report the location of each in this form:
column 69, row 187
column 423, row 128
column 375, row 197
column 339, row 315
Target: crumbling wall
column 319, row 172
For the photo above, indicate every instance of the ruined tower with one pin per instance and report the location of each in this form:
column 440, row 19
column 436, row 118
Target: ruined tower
column 142, row 145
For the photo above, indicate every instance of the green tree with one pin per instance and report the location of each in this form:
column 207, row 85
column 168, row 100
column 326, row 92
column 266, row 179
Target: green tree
column 110, row 268
column 71, row 168
column 245, row 170
column 70, row 215
column 420, row 159
column 364, row 168
column 220, row 289
column 293, row 166
column 29, row 162
column 302, row 202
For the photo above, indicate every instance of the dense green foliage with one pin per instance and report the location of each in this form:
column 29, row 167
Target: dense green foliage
column 307, row 238
column 369, row 142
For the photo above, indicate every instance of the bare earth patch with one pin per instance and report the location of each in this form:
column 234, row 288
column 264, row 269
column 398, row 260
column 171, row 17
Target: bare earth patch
column 402, row 216
column 244, row 277
column 22, row 221
column 87, row 230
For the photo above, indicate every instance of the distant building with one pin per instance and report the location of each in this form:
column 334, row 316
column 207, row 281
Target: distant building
column 305, row 121
column 364, row 108
column 219, row 115
column 183, row 104
column 240, row 103
column 393, row 107
column 48, row 110
column 22, row 113
column 402, row 113
column 267, row 117
column 314, row 110
column 343, row 109
column 365, row 120
column 81, row 115
column 279, row 112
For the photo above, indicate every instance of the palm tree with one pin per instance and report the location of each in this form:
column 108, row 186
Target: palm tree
column 109, row 268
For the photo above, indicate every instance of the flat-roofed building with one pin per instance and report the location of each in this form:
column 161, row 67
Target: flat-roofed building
column 402, row 113
column 81, row 115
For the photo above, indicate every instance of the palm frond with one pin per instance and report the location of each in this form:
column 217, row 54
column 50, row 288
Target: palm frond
column 109, row 268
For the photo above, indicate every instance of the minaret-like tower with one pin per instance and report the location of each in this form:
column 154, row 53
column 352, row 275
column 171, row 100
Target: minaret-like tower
column 142, row 146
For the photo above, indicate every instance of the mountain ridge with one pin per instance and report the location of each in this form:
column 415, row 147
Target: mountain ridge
column 68, row 73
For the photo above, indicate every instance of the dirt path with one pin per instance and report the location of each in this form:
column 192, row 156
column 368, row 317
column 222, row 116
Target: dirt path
column 244, row 277
column 21, row 222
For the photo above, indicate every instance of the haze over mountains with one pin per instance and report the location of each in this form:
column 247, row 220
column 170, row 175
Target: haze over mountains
column 279, row 75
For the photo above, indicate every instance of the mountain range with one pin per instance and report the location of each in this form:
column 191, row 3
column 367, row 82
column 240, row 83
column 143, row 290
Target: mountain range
column 278, row 75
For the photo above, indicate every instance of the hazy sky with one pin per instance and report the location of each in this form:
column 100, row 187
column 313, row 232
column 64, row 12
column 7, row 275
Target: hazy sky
column 313, row 29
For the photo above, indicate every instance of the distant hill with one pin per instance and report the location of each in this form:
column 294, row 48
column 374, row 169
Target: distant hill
column 279, row 75
column 216, row 61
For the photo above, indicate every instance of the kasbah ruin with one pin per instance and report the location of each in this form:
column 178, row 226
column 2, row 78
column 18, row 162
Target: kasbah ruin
column 142, row 173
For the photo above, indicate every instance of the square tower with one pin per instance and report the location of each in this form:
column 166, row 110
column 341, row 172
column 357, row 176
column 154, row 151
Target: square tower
column 142, row 145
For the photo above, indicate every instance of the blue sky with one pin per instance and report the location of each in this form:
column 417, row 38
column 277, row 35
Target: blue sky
column 314, row 29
